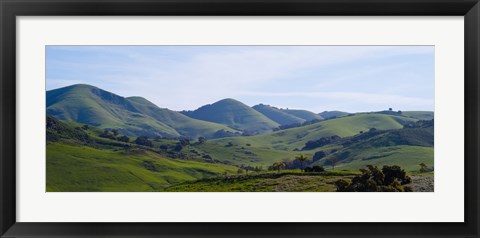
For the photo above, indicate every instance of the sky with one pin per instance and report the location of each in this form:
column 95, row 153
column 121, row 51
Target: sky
column 315, row 78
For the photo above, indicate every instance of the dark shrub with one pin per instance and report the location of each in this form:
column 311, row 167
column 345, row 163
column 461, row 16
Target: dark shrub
column 319, row 155
column 317, row 169
column 372, row 179
column 143, row 140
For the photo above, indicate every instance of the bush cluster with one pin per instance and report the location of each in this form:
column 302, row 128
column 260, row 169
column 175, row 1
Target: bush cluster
column 372, row 179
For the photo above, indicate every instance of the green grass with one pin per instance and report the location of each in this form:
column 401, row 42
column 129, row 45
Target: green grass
column 265, row 182
column 241, row 154
column 75, row 168
column 407, row 157
column 297, row 137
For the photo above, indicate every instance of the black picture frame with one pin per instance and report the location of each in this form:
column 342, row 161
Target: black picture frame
column 10, row 9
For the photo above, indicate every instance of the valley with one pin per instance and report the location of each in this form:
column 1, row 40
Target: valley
column 100, row 141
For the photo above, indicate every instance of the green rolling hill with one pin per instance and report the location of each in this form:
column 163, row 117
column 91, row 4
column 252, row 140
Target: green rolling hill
column 96, row 158
column 333, row 114
column 290, row 139
column 406, row 147
column 278, row 115
column 304, row 114
column 421, row 115
column 234, row 114
column 132, row 116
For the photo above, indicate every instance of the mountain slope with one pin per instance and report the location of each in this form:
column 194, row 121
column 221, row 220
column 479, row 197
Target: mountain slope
column 91, row 105
column 235, row 114
column 278, row 115
column 304, row 114
column 184, row 125
column 422, row 115
column 333, row 114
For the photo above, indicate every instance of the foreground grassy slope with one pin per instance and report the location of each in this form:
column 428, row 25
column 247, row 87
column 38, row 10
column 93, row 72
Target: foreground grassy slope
column 83, row 168
column 286, row 181
column 297, row 137
column 270, row 182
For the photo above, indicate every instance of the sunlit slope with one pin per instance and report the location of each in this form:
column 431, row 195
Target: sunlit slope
column 297, row 137
column 408, row 157
column 73, row 168
column 234, row 114
column 91, row 105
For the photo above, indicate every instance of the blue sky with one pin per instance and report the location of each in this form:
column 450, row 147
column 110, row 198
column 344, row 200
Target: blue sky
column 316, row 78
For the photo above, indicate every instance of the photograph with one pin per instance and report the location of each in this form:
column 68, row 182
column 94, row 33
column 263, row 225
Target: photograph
column 240, row 118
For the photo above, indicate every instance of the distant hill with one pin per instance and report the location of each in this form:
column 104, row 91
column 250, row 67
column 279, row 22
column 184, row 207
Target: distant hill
column 407, row 147
column 333, row 114
column 290, row 139
column 421, row 115
column 234, row 114
column 278, row 115
column 304, row 114
column 132, row 116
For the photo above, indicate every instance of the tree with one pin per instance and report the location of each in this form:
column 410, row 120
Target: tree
column 240, row 171
column 372, row 179
column 390, row 109
column 332, row 162
column 317, row 168
column 279, row 165
column 115, row 132
column 319, row 155
column 123, row 139
column 301, row 159
column 423, row 167
column 201, row 140
column 184, row 142
column 143, row 140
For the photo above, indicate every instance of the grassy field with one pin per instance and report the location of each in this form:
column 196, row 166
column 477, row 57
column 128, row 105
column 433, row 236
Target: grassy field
column 286, row 181
column 290, row 139
column 407, row 157
column 79, row 159
column 82, row 168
